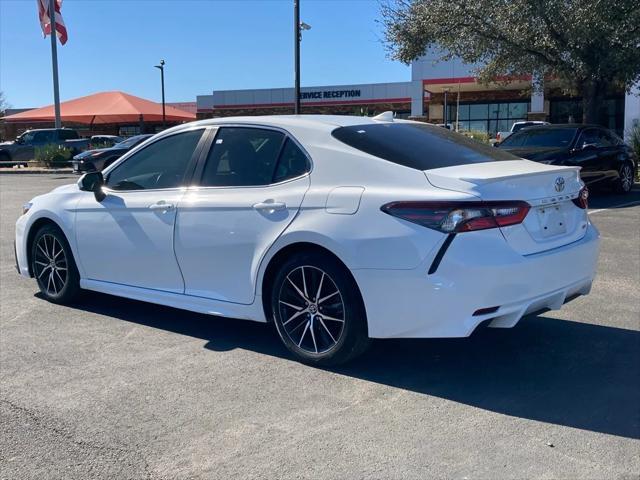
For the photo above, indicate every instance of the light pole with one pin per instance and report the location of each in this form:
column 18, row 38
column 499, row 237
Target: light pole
column 298, row 26
column 161, row 68
column 446, row 120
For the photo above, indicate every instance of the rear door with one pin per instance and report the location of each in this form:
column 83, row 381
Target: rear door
column 250, row 188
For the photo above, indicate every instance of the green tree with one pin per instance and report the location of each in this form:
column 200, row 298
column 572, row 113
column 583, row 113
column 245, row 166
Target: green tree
column 590, row 46
column 3, row 104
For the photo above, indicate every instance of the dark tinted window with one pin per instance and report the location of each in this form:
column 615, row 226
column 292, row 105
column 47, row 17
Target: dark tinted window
column 45, row 136
column 540, row 137
column 292, row 163
column 162, row 164
column 68, row 134
column 242, row 156
column 597, row 137
column 419, row 146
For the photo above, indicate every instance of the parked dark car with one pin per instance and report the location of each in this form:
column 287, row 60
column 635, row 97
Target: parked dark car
column 99, row 159
column 103, row 141
column 24, row 146
column 605, row 159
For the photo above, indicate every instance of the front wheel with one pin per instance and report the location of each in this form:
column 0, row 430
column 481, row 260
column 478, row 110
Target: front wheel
column 318, row 310
column 624, row 183
column 53, row 266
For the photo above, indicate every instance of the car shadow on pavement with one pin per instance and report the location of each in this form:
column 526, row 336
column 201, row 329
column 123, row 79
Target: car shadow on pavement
column 600, row 198
column 545, row 369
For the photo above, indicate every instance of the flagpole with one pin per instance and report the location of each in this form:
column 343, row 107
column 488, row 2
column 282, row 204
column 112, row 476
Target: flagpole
column 54, row 62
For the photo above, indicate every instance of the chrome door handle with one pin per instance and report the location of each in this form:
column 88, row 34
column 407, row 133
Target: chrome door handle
column 162, row 206
column 270, row 207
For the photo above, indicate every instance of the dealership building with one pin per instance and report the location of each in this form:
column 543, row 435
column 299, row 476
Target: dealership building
column 470, row 104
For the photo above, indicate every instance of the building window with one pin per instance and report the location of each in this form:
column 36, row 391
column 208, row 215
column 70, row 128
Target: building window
column 488, row 117
column 129, row 130
column 570, row 111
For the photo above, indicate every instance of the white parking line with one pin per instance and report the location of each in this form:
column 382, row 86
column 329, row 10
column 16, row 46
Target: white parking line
column 591, row 212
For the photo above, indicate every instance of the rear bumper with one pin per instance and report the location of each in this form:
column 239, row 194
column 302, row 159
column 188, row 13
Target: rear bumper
column 479, row 271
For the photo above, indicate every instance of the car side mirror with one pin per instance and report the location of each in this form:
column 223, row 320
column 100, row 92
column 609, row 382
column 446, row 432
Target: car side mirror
column 588, row 146
column 19, row 140
column 93, row 182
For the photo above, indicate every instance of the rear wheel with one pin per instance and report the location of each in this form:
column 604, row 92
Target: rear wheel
column 318, row 311
column 624, row 183
column 53, row 266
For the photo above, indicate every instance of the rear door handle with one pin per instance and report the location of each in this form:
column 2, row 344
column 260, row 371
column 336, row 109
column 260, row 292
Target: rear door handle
column 162, row 205
column 270, row 207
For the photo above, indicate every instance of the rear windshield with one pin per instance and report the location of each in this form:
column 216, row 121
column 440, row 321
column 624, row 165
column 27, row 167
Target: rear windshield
column 418, row 145
column 540, row 137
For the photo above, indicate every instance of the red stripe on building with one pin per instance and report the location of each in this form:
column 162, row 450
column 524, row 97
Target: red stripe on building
column 290, row 104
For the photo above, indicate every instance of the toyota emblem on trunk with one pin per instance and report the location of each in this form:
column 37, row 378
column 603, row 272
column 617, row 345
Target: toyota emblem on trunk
column 559, row 184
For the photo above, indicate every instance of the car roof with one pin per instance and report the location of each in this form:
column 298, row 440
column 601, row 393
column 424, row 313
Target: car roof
column 318, row 121
column 563, row 126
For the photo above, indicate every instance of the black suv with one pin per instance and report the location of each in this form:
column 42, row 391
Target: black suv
column 605, row 159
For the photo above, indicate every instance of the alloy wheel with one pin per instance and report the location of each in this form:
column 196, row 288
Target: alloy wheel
column 50, row 264
column 312, row 309
column 626, row 178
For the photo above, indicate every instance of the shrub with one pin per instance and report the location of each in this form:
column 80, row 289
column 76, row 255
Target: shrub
column 482, row 137
column 52, row 156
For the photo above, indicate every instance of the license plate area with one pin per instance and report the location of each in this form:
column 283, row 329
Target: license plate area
column 552, row 220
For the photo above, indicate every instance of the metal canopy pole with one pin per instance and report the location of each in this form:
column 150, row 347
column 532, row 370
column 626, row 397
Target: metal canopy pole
column 54, row 63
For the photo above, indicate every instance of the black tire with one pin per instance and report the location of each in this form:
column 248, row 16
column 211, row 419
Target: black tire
column 624, row 182
column 53, row 266
column 319, row 326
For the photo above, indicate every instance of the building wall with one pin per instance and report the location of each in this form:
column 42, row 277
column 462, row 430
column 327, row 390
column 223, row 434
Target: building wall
column 320, row 99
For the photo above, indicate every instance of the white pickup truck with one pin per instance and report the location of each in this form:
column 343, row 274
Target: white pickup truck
column 500, row 136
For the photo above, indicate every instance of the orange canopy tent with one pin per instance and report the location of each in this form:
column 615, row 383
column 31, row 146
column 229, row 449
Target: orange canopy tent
column 103, row 108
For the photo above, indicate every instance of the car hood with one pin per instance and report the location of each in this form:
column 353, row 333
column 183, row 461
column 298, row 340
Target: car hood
column 6, row 144
column 536, row 153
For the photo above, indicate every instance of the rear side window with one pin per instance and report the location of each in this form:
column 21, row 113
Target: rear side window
column 242, row 157
column 292, row 163
column 418, row 146
column 540, row 137
column 68, row 134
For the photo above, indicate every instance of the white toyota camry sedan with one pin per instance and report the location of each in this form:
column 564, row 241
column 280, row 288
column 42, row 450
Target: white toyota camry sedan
column 337, row 229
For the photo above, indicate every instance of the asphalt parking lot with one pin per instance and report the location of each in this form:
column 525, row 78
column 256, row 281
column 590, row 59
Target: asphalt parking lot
column 112, row 388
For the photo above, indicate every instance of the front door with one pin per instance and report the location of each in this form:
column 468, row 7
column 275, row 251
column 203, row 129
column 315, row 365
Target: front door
column 250, row 189
column 128, row 237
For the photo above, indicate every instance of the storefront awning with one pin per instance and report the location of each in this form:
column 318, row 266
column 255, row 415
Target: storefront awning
column 104, row 108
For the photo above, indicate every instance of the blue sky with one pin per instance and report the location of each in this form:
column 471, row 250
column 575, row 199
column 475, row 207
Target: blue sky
column 207, row 44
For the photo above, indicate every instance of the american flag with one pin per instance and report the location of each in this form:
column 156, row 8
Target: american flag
column 45, row 19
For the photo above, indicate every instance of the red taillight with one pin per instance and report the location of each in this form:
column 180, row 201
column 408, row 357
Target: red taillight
column 583, row 198
column 454, row 217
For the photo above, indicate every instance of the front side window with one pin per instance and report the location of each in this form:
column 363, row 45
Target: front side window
column 242, row 156
column 418, row 145
column 590, row 137
column 163, row 164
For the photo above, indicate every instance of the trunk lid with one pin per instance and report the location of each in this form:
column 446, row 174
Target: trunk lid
column 553, row 221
